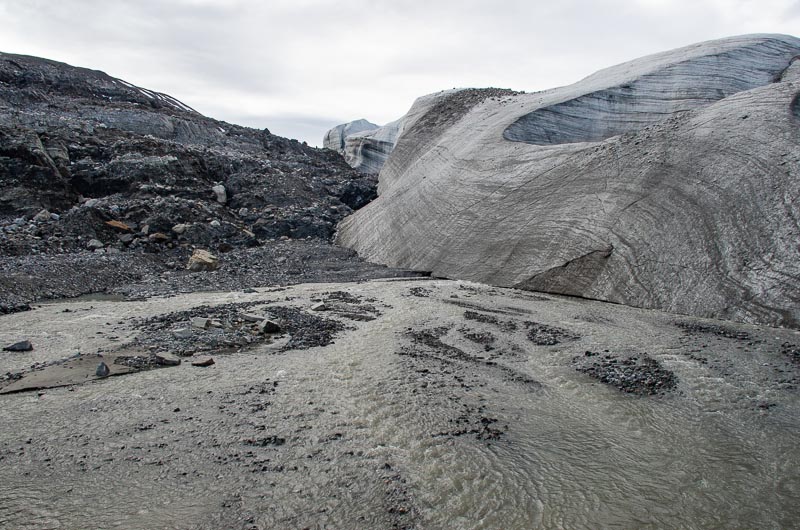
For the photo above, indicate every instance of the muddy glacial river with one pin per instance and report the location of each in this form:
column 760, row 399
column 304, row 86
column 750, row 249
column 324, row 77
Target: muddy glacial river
column 434, row 405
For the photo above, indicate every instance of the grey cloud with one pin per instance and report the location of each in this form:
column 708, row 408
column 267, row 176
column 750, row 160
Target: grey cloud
column 285, row 60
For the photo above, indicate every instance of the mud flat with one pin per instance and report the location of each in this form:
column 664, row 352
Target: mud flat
column 394, row 404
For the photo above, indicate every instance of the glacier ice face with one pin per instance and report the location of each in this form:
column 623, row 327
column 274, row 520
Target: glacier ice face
column 366, row 147
column 334, row 138
column 668, row 182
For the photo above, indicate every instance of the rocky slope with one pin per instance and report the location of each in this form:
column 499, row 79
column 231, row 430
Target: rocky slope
column 92, row 164
column 669, row 182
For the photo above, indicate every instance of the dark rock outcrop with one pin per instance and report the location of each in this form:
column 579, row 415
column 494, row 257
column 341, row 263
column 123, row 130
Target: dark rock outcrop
column 90, row 149
column 108, row 187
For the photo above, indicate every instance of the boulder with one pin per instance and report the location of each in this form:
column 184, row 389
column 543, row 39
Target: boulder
column 251, row 317
column 202, row 260
column 23, row 345
column 666, row 182
column 102, row 370
column 166, row 359
column 94, row 244
column 182, row 333
column 220, row 193
column 42, row 216
column 200, row 322
column 265, row 327
column 203, row 361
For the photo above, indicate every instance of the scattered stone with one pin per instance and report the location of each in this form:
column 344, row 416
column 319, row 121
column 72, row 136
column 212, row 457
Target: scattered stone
column 200, row 322
column 268, row 326
column 183, row 333
column 158, row 237
column 94, row 244
column 102, row 370
column 215, row 323
column 792, row 351
column 118, row 225
column 714, row 329
column 265, row 442
column 42, row 216
column 635, row 374
column 222, row 195
column 23, row 345
column 544, row 335
column 320, row 306
column 180, row 228
column 215, row 223
column 202, row 260
column 166, row 359
column 203, row 361
column 505, row 325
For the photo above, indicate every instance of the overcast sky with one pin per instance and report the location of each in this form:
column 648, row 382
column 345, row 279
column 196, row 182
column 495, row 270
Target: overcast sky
column 299, row 67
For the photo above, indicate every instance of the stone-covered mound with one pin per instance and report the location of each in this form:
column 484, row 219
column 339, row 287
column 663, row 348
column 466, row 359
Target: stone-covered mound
column 70, row 135
column 668, row 182
column 104, row 184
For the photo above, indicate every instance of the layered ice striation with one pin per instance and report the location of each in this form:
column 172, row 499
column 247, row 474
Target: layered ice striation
column 668, row 182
